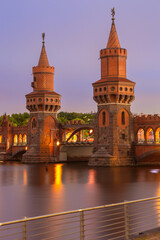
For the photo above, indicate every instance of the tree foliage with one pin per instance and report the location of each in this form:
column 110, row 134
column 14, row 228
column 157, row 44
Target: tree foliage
column 63, row 117
column 21, row 119
column 17, row 119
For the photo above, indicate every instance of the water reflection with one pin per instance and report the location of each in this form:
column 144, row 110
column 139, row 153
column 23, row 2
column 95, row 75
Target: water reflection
column 58, row 174
column 30, row 190
column 25, row 177
column 91, row 176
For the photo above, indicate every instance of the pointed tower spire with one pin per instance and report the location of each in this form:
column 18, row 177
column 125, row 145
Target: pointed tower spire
column 113, row 41
column 43, row 60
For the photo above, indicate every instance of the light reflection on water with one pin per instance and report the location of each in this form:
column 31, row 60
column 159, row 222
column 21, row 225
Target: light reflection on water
column 31, row 190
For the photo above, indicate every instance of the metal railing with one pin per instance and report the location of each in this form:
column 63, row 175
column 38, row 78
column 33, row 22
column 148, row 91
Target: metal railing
column 114, row 221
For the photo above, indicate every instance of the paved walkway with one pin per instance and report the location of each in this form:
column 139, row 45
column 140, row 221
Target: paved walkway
column 149, row 236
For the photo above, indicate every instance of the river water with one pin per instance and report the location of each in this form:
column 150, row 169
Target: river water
column 37, row 189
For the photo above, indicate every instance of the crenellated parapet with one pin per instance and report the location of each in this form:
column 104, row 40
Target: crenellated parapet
column 146, row 118
column 73, row 122
column 147, row 129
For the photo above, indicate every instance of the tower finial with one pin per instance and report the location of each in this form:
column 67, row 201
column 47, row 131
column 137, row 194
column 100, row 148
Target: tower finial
column 113, row 14
column 43, row 36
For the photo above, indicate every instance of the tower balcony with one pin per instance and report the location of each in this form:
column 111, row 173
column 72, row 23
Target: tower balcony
column 114, row 98
column 43, row 101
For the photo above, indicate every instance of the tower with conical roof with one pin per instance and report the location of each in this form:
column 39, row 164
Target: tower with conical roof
column 113, row 94
column 43, row 103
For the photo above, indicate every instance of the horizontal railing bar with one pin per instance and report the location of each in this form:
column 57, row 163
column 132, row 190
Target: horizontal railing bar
column 109, row 234
column 68, row 239
column 114, row 214
column 149, row 202
column 56, row 229
column 138, row 213
column 105, row 210
column 119, row 237
column 135, row 232
column 146, row 216
column 140, row 226
column 8, row 228
column 80, row 210
column 107, row 224
column 109, row 238
column 11, row 234
column 105, row 216
column 50, row 220
column 108, row 220
column 63, row 235
column 107, row 228
column 32, row 229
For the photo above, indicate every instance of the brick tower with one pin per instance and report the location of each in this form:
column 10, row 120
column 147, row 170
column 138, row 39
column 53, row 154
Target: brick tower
column 43, row 104
column 113, row 93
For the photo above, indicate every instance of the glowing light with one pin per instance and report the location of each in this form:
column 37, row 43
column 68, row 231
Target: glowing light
column 91, row 131
column 0, row 138
column 58, row 143
column 26, row 148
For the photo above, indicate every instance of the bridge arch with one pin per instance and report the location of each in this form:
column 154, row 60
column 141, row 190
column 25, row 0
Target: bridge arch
column 78, row 130
column 18, row 154
column 149, row 157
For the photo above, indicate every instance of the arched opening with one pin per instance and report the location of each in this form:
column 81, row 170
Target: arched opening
column 140, row 136
column 34, row 123
column 24, row 139
column 123, row 118
column 20, row 139
column 150, row 136
column 15, row 140
column 103, row 118
column 157, row 135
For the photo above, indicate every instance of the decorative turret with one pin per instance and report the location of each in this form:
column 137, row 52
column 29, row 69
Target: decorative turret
column 113, row 94
column 113, row 85
column 43, row 104
column 43, row 97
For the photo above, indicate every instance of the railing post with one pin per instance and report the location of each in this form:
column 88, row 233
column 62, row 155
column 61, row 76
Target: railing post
column 24, row 229
column 126, row 220
column 81, row 225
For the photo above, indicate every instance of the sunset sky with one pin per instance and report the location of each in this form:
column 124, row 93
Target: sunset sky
column 75, row 32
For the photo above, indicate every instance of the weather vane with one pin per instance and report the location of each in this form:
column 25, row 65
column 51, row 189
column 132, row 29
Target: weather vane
column 113, row 13
column 43, row 36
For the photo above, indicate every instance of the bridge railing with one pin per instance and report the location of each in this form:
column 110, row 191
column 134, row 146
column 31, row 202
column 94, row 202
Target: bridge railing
column 125, row 220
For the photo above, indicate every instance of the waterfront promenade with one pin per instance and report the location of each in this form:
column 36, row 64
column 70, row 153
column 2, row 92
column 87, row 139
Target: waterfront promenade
column 139, row 219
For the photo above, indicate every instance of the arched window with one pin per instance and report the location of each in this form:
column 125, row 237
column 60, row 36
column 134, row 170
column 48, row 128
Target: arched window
column 150, row 135
column 140, row 136
column 103, row 118
column 0, row 138
column 15, row 140
column 20, row 139
column 24, row 139
column 123, row 118
column 34, row 123
column 157, row 135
